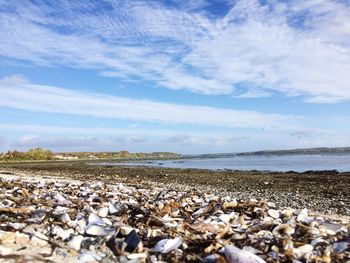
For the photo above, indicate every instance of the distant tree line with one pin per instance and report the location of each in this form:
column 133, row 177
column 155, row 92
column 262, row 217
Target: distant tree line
column 32, row 154
column 44, row 154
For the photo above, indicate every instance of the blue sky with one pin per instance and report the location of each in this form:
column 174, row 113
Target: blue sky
column 185, row 76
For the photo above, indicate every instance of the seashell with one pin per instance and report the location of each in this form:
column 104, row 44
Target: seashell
column 75, row 242
column 340, row 247
column 61, row 200
column 282, row 230
column 37, row 216
column 132, row 241
column 16, row 226
column 65, row 218
column 137, row 256
column 331, row 229
column 301, row 251
column 7, row 203
column 273, row 213
column 95, row 220
column 117, row 209
column 265, row 234
column 304, row 218
column 212, row 259
column 89, row 256
column 251, row 250
column 166, row 245
column 79, row 225
column 319, row 241
column 225, row 218
column 61, row 233
column 236, row 255
column 231, row 204
column 124, row 230
column 103, row 212
column 98, row 230
column 40, row 235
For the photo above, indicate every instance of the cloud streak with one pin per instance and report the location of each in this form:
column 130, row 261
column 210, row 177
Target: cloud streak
column 295, row 48
column 15, row 92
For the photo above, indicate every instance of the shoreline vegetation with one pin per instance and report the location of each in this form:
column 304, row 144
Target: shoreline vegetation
column 41, row 154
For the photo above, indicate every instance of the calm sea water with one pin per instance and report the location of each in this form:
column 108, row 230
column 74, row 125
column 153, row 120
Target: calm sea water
column 299, row 163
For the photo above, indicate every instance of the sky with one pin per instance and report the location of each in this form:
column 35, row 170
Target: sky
column 198, row 76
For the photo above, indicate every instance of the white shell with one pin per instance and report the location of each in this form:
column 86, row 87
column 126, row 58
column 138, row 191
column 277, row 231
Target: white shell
column 103, row 212
column 167, row 245
column 236, row 255
column 301, row 251
column 273, row 213
column 304, row 218
column 95, row 220
column 97, row 230
column 89, row 256
column 75, row 242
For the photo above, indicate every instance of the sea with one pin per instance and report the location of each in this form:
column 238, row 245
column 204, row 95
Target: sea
column 282, row 163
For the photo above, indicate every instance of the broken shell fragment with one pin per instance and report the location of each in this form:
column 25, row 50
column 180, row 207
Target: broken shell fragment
column 93, row 221
column 236, row 255
column 75, row 242
column 98, row 230
column 166, row 245
column 273, row 213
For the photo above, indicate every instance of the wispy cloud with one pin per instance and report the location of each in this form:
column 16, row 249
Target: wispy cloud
column 20, row 94
column 296, row 48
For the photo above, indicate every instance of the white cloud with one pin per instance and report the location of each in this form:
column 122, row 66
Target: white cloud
column 40, row 98
column 299, row 48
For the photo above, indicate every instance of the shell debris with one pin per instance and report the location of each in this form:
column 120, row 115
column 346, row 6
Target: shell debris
column 94, row 221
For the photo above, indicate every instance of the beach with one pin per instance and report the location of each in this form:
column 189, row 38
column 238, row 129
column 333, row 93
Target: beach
column 74, row 212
